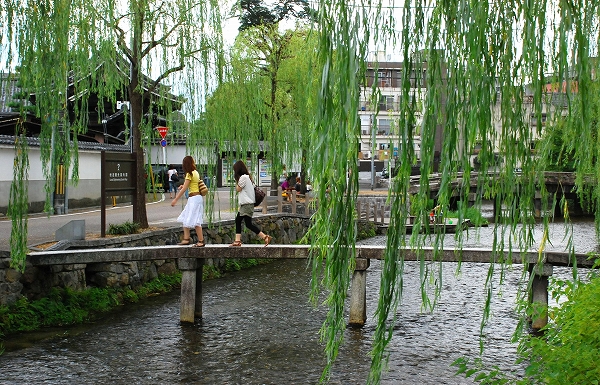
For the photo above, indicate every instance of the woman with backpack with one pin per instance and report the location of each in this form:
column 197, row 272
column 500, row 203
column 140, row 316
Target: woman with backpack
column 245, row 188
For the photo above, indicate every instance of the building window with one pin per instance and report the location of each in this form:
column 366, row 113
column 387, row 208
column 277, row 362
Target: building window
column 534, row 121
column 386, row 103
column 384, row 78
column 383, row 127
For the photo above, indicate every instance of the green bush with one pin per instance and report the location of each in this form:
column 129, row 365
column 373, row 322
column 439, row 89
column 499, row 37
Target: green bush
column 569, row 351
column 67, row 307
column 365, row 230
column 472, row 214
column 124, row 228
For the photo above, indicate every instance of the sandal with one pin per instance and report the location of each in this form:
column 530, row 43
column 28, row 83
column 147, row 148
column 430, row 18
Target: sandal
column 199, row 244
column 236, row 244
column 184, row 242
column 267, row 240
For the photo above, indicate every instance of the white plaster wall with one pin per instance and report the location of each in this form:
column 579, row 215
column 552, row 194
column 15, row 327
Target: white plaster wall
column 89, row 176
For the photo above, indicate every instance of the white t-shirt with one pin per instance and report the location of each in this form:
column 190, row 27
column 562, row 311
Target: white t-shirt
column 247, row 194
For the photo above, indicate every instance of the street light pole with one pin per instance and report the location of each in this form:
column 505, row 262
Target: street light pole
column 104, row 122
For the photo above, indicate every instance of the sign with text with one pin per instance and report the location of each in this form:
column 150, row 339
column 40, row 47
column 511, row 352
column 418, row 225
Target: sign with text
column 118, row 173
column 118, row 177
column 162, row 131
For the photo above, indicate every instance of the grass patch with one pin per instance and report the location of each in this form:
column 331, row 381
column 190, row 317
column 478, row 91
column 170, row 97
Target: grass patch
column 125, row 228
column 212, row 272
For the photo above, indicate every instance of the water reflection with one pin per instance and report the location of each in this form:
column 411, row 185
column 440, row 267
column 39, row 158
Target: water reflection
column 259, row 328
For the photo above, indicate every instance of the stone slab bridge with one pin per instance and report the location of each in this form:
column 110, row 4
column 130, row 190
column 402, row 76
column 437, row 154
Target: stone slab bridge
column 191, row 260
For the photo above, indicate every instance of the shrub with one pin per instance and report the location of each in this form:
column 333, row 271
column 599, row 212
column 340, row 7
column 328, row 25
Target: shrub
column 124, row 228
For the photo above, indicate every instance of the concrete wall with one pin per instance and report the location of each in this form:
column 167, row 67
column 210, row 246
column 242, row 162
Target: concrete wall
column 37, row 281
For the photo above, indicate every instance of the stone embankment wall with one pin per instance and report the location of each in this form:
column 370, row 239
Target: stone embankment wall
column 37, row 281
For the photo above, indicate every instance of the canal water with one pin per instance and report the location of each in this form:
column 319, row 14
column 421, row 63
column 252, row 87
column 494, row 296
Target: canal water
column 259, row 328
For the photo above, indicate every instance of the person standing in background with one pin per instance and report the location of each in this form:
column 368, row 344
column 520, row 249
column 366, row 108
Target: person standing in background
column 193, row 212
column 246, row 199
column 172, row 171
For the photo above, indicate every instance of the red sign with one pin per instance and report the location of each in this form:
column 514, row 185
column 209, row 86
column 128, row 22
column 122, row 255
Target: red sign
column 162, row 131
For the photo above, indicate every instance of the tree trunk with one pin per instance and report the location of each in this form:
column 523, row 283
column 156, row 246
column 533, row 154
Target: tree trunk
column 137, row 110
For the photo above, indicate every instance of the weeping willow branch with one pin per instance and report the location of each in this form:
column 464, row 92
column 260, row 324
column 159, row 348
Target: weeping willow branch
column 17, row 211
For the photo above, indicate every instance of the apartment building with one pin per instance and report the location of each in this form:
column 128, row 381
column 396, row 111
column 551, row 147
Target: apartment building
column 379, row 112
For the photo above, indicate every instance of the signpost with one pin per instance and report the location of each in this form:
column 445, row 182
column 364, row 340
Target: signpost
column 118, row 178
column 163, row 133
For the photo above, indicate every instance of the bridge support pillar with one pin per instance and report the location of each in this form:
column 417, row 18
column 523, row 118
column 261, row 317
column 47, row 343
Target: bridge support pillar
column 191, row 289
column 358, row 294
column 539, row 294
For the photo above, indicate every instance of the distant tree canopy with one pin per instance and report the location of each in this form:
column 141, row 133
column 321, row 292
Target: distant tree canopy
column 255, row 12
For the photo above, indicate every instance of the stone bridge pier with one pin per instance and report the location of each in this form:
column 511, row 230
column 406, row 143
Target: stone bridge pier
column 191, row 289
column 358, row 293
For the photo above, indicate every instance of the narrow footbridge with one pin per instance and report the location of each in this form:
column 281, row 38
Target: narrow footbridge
column 191, row 260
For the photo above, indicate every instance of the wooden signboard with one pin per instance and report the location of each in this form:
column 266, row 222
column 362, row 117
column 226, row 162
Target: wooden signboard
column 118, row 171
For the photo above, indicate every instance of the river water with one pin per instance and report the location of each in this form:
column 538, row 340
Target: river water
column 259, row 328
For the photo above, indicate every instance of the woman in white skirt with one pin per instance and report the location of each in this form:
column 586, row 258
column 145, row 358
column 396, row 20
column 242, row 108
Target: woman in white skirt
column 193, row 212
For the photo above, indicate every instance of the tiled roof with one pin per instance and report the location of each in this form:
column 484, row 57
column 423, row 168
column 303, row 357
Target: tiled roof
column 89, row 146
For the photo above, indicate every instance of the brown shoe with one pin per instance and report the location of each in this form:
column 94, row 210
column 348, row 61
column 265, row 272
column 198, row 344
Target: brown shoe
column 199, row 244
column 236, row 244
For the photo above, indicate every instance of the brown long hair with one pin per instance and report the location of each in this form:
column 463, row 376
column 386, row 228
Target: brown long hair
column 188, row 164
column 239, row 169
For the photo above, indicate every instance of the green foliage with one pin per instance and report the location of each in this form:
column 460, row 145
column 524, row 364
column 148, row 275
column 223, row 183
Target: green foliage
column 556, row 148
column 569, row 349
column 471, row 213
column 18, row 208
column 61, row 307
column 231, row 265
column 125, row 228
column 365, row 229
column 241, row 264
column 67, row 307
column 86, row 41
column 485, row 86
column 479, row 373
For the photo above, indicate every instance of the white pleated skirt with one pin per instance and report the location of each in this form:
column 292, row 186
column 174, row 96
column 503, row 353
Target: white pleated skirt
column 193, row 212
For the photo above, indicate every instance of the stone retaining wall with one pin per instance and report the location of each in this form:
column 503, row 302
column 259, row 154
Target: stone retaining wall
column 37, row 281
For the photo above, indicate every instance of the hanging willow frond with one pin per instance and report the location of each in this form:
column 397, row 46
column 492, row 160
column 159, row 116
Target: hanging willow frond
column 20, row 202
